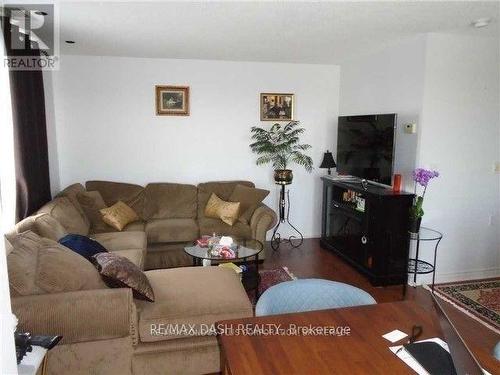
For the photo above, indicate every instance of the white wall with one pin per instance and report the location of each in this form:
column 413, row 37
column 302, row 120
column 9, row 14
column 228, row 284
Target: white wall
column 460, row 137
column 51, row 132
column 449, row 85
column 389, row 81
column 106, row 127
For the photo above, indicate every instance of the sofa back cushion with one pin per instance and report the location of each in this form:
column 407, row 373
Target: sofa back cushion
column 249, row 198
column 112, row 192
column 42, row 224
column 38, row 265
column 91, row 203
column 223, row 189
column 71, row 193
column 67, row 214
column 170, row 201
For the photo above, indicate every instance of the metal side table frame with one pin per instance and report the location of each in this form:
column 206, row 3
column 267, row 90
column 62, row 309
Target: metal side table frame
column 417, row 266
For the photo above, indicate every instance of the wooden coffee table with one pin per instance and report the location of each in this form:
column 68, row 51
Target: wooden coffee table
column 363, row 351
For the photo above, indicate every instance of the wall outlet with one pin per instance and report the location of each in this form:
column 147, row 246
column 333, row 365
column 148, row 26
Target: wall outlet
column 410, row 128
column 496, row 167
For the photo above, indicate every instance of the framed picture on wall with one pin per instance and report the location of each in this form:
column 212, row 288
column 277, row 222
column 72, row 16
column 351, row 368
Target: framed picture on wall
column 172, row 100
column 276, row 107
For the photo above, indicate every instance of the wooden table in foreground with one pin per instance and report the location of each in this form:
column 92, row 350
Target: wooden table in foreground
column 363, row 351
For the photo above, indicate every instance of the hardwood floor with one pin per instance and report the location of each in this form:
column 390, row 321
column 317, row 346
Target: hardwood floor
column 311, row 261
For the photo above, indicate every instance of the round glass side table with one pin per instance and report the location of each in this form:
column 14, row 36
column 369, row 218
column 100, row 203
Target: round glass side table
column 417, row 266
column 246, row 251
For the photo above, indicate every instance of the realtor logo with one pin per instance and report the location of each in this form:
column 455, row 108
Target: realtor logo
column 31, row 34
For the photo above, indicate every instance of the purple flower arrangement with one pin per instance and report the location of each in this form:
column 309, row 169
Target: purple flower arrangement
column 421, row 177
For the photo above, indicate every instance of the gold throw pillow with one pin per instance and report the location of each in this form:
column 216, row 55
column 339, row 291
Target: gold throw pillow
column 118, row 215
column 219, row 209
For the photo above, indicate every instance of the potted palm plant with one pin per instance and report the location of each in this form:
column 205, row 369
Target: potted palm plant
column 281, row 147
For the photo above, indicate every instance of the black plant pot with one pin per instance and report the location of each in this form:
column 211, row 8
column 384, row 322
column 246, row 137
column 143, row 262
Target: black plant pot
column 414, row 226
column 283, row 176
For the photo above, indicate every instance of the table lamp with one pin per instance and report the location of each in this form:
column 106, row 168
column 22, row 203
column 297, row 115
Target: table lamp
column 328, row 161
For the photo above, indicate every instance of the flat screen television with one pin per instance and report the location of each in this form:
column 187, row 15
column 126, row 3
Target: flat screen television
column 365, row 147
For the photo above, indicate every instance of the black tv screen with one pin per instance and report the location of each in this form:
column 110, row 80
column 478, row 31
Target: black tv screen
column 365, row 147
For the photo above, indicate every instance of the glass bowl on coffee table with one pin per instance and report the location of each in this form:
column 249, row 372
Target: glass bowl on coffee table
column 246, row 253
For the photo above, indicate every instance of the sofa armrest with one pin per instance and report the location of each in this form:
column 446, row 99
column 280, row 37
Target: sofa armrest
column 263, row 219
column 80, row 316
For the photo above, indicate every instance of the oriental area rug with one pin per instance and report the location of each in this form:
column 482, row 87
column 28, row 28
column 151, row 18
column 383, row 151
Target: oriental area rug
column 271, row 277
column 478, row 299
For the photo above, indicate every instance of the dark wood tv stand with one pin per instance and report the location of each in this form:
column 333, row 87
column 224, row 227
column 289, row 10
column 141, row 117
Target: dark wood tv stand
column 374, row 238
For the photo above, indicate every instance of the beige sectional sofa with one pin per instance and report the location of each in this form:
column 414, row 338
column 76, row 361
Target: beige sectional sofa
column 105, row 330
column 172, row 216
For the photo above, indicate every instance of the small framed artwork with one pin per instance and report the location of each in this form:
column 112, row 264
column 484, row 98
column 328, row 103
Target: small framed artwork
column 172, row 100
column 276, row 107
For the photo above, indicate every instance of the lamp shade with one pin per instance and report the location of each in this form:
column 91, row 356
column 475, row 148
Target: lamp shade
column 328, row 161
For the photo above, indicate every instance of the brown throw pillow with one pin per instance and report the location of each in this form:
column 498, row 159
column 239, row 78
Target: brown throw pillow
column 249, row 198
column 219, row 209
column 119, row 272
column 39, row 265
column 91, row 203
column 118, row 215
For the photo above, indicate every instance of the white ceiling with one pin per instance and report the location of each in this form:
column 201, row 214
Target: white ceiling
column 319, row 32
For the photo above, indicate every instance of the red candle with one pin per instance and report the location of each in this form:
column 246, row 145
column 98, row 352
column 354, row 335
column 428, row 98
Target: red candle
column 396, row 186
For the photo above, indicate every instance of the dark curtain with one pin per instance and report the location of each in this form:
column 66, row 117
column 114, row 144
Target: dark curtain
column 30, row 134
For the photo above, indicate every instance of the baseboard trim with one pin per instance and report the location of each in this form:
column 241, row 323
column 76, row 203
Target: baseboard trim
column 445, row 277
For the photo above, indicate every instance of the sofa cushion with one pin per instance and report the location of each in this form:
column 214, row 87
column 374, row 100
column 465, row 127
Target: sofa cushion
column 39, row 265
column 209, row 226
column 67, row 215
column 71, row 193
column 91, row 203
column 136, row 226
column 191, row 295
column 249, row 198
column 132, row 243
column 112, row 192
column 223, row 189
column 114, row 241
column 171, row 230
column 119, row 272
column 42, row 224
column 135, row 256
column 167, row 200
column 168, row 255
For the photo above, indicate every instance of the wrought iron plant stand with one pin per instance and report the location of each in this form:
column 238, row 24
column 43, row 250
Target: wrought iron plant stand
column 284, row 218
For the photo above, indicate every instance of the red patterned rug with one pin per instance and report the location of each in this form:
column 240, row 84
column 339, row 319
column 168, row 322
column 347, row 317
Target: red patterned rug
column 478, row 299
column 268, row 278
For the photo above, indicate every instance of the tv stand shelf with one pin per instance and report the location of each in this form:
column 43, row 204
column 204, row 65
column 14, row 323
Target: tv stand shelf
column 368, row 228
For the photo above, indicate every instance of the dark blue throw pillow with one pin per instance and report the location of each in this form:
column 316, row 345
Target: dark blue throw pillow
column 83, row 245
